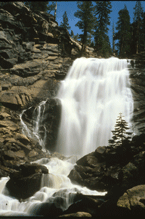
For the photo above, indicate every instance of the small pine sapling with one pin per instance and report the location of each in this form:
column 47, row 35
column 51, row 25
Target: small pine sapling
column 120, row 133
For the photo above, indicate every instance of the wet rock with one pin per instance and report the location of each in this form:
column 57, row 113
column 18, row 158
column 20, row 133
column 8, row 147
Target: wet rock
column 29, row 178
column 29, row 184
column 32, row 153
column 75, row 177
column 88, row 205
column 28, row 169
column 88, row 160
column 49, row 121
column 47, row 209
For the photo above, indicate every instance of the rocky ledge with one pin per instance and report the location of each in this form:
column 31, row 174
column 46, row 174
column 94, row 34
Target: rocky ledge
column 119, row 170
column 35, row 53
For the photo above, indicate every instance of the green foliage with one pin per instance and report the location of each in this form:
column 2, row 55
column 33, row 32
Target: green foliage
column 124, row 32
column 120, row 133
column 102, row 11
column 76, row 37
column 138, row 12
column 72, row 33
column 86, row 22
column 142, row 41
column 65, row 23
column 113, row 40
column 138, row 27
column 37, row 6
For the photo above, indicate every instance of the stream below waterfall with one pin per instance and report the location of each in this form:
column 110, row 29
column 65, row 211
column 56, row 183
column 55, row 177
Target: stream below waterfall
column 92, row 95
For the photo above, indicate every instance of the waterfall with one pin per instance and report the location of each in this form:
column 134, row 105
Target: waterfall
column 35, row 132
column 93, row 94
column 55, row 185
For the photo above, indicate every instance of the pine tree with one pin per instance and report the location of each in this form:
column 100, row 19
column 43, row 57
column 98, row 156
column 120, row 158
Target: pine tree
column 137, row 23
column 113, row 41
column 72, row 34
column 124, row 32
column 86, row 22
column 37, row 6
column 65, row 23
column 120, row 133
column 102, row 11
column 89, row 40
column 142, row 42
column 76, row 37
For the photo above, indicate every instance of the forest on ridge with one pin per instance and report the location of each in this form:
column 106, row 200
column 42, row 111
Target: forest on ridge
column 128, row 38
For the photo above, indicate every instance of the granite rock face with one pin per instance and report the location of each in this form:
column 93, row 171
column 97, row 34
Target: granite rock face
column 137, row 79
column 35, row 53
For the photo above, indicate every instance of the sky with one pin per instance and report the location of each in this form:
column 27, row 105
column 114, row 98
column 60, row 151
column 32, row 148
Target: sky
column 71, row 7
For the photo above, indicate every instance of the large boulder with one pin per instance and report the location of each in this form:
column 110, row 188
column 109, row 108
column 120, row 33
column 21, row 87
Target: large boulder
column 111, row 168
column 28, row 178
column 133, row 200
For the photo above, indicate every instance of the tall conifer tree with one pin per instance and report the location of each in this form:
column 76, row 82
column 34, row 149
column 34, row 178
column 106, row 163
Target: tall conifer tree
column 137, row 23
column 86, row 23
column 124, row 32
column 37, row 6
column 113, row 41
column 65, row 23
column 142, row 43
column 102, row 11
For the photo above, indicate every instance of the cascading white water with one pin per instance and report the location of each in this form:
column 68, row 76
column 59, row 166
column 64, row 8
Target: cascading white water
column 39, row 111
column 93, row 94
column 53, row 185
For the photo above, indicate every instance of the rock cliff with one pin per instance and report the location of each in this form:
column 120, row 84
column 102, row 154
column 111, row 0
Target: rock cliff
column 35, row 54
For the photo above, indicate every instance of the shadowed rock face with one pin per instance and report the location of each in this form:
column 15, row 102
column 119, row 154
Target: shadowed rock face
column 28, row 178
column 137, row 79
column 111, row 167
column 49, row 121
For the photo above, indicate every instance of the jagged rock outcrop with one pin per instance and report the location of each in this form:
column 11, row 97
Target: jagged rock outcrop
column 118, row 170
column 35, row 54
column 137, row 79
column 108, row 167
column 34, row 51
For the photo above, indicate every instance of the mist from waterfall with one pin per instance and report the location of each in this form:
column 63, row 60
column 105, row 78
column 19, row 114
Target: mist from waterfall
column 93, row 94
